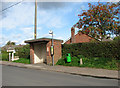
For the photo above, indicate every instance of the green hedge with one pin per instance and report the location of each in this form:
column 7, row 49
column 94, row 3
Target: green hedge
column 109, row 49
column 23, row 52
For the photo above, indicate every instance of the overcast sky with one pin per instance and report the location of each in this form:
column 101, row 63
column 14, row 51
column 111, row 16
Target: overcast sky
column 18, row 21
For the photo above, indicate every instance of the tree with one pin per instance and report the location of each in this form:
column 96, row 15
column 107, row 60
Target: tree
column 100, row 19
column 10, row 43
column 23, row 52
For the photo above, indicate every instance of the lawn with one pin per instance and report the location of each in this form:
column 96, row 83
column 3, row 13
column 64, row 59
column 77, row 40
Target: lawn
column 95, row 62
column 23, row 60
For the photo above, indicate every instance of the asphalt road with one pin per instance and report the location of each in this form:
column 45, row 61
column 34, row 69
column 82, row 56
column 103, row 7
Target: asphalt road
column 14, row 76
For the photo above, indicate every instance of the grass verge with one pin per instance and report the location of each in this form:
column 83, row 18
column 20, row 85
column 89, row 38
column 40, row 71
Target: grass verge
column 23, row 60
column 95, row 62
column 5, row 57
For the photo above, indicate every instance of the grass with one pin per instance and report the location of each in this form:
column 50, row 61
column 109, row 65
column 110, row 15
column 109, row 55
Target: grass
column 4, row 57
column 95, row 62
column 23, row 60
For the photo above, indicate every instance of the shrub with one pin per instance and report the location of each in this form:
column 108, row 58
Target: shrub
column 4, row 56
column 23, row 52
column 61, row 62
column 94, row 62
column 117, row 38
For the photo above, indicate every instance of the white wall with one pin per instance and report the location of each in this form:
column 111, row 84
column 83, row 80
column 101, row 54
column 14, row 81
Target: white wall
column 39, row 53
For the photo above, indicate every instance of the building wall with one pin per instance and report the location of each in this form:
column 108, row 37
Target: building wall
column 49, row 58
column 57, row 52
column 31, row 53
column 68, row 41
column 73, row 35
column 39, row 53
column 80, row 38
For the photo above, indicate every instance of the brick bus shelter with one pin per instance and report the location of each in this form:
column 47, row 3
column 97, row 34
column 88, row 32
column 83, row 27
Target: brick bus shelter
column 40, row 50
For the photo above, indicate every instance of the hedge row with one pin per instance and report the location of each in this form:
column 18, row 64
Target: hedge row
column 109, row 49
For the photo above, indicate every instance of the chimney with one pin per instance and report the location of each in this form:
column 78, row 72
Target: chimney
column 72, row 35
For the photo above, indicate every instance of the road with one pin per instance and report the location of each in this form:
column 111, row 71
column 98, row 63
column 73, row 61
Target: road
column 15, row 76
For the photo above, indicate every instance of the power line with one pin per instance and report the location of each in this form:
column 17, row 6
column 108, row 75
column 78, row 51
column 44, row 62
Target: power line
column 12, row 6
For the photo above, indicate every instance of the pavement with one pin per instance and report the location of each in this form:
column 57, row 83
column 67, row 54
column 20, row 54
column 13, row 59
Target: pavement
column 83, row 71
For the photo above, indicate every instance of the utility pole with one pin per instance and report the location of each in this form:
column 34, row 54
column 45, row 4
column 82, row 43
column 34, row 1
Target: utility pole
column 35, row 34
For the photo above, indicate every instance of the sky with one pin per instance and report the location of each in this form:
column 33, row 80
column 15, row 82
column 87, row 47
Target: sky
column 17, row 22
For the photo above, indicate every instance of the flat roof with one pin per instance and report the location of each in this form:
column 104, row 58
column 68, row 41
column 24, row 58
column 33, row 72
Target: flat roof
column 41, row 40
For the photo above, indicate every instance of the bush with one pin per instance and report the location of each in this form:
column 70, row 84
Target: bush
column 109, row 49
column 23, row 52
column 117, row 38
column 4, row 56
column 61, row 62
column 96, row 62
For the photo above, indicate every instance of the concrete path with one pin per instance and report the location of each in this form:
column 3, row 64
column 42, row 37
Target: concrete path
column 84, row 71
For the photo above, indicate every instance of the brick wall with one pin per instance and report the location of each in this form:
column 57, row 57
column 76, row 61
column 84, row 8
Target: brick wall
column 80, row 38
column 68, row 41
column 31, row 53
column 57, row 51
column 49, row 58
column 73, row 35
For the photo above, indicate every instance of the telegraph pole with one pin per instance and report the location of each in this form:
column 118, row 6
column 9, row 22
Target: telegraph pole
column 35, row 34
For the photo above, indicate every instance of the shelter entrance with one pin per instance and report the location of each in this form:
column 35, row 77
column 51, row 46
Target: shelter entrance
column 40, row 53
column 40, row 50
